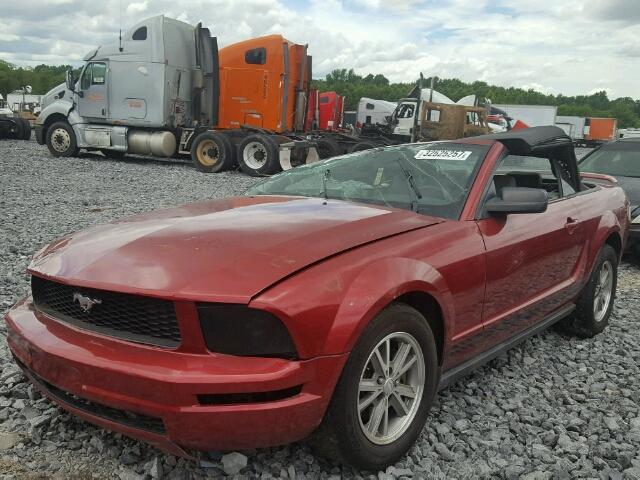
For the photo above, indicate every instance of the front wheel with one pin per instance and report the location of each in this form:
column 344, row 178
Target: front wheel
column 61, row 140
column 595, row 303
column 384, row 394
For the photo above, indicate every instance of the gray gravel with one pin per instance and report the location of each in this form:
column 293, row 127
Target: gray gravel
column 555, row 407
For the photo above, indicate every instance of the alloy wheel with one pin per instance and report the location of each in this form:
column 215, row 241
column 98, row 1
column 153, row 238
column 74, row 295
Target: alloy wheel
column 390, row 388
column 603, row 292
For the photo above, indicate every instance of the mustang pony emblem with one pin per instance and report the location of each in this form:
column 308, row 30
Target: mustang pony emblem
column 86, row 303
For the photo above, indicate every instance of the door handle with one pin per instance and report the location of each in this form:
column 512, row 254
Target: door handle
column 104, row 112
column 572, row 225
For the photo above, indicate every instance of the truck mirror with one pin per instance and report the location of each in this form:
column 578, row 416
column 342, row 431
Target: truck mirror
column 71, row 85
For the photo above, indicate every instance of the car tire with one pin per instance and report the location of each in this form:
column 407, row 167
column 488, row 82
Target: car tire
column 212, row 152
column 259, row 155
column 347, row 433
column 61, row 140
column 595, row 302
column 327, row 148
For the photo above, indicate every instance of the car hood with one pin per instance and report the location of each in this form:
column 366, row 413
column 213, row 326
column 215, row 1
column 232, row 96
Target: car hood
column 222, row 251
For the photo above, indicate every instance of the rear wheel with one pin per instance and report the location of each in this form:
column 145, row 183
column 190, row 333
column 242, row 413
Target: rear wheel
column 212, row 152
column 384, row 394
column 258, row 155
column 26, row 129
column 360, row 146
column 327, row 148
column 61, row 140
column 595, row 302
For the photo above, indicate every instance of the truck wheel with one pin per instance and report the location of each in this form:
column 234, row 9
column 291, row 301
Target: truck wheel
column 259, row 155
column 61, row 140
column 384, row 394
column 327, row 148
column 360, row 146
column 212, row 152
column 595, row 302
column 26, row 134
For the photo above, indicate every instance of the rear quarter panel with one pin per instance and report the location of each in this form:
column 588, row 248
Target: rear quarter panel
column 603, row 212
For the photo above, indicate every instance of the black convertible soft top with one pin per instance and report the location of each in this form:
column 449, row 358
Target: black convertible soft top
column 549, row 142
column 529, row 140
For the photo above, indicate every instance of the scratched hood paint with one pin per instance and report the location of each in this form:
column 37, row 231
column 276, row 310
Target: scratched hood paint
column 225, row 250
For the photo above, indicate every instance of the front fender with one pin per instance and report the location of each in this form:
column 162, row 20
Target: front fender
column 326, row 307
column 377, row 286
column 61, row 107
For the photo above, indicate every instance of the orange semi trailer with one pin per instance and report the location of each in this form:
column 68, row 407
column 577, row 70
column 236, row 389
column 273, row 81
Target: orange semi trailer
column 599, row 130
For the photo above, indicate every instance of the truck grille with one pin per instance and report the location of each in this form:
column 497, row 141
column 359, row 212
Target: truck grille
column 130, row 317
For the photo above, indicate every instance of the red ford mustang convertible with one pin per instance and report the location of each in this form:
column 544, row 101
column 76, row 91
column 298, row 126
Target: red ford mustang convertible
column 332, row 300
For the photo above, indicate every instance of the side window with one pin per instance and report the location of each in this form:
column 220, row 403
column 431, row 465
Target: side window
column 140, row 34
column 532, row 172
column 99, row 73
column 324, row 99
column 405, row 111
column 256, row 56
column 85, row 81
column 370, row 106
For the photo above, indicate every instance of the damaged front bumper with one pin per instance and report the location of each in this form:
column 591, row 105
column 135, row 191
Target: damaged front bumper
column 176, row 400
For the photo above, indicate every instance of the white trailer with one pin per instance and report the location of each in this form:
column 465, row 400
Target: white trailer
column 573, row 126
column 19, row 101
column 372, row 111
column 532, row 115
column 629, row 133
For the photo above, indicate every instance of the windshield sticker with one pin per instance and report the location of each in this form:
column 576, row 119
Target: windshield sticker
column 378, row 178
column 432, row 154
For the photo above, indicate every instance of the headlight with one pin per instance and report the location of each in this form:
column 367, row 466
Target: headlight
column 243, row 331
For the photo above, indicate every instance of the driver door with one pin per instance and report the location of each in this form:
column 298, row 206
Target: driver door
column 93, row 101
column 531, row 258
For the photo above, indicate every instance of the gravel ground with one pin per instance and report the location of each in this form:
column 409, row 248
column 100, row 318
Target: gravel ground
column 555, row 407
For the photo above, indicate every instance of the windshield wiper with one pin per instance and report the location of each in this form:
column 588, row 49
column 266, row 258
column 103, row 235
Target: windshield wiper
column 414, row 188
column 325, row 177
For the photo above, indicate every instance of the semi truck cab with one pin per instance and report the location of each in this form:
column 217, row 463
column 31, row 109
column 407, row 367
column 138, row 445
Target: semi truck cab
column 165, row 89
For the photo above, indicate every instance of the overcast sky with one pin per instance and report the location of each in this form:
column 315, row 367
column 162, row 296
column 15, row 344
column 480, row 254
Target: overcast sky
column 554, row 46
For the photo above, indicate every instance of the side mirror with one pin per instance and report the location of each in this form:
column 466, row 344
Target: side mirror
column 518, row 200
column 71, row 84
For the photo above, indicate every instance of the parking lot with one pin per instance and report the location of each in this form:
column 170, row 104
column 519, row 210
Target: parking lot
column 555, row 407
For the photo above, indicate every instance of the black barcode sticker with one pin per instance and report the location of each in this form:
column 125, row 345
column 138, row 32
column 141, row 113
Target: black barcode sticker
column 432, row 154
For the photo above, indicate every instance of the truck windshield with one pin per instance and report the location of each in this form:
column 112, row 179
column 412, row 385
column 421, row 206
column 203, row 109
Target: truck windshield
column 432, row 179
column 620, row 159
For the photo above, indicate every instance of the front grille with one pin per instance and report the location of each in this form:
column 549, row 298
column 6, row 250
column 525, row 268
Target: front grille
column 124, row 417
column 130, row 317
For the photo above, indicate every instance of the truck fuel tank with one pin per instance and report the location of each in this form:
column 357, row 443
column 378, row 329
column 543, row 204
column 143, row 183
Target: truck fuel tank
column 159, row 144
